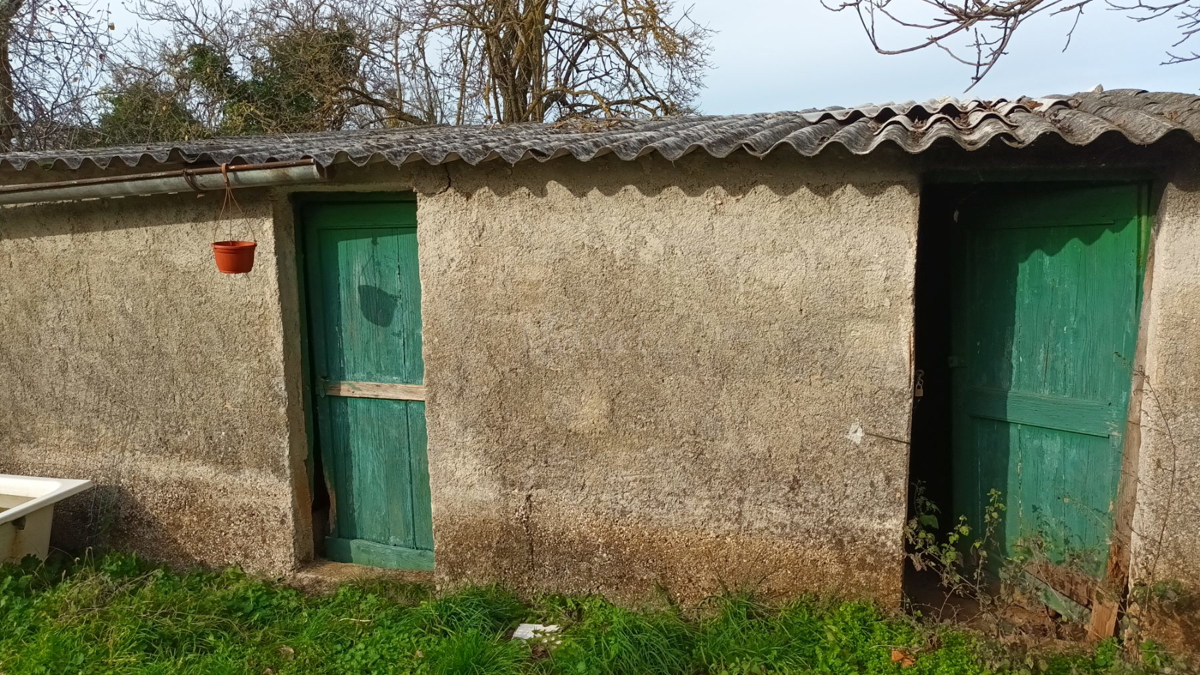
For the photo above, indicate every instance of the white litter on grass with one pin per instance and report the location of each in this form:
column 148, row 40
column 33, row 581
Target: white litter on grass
column 528, row 631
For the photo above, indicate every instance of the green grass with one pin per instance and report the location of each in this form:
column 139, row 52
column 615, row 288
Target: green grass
column 117, row 614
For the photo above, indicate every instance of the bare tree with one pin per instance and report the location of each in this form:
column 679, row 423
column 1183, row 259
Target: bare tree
column 535, row 60
column 304, row 65
column 978, row 33
column 52, row 58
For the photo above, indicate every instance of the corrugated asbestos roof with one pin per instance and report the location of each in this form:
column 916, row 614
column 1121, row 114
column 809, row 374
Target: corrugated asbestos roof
column 1138, row 116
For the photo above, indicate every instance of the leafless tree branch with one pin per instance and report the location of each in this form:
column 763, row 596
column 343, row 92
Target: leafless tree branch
column 978, row 33
column 52, row 58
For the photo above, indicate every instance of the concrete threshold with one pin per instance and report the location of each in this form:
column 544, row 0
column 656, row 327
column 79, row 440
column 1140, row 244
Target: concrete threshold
column 324, row 576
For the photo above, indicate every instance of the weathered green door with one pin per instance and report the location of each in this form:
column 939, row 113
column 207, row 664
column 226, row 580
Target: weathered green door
column 364, row 312
column 1048, row 285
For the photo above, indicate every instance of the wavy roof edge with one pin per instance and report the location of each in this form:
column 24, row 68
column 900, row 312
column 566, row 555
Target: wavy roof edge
column 1138, row 116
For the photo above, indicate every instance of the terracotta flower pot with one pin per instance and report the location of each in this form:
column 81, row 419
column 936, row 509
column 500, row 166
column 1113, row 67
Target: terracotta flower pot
column 234, row 257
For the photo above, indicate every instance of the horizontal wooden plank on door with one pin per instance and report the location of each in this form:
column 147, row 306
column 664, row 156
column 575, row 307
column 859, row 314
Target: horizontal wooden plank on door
column 380, row 390
column 372, row 554
column 1093, row 418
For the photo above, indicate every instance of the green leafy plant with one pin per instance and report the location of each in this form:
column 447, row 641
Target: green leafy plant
column 961, row 562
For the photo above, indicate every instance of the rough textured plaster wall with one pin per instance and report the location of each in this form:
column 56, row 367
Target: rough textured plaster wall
column 1166, row 543
column 688, row 375
column 131, row 361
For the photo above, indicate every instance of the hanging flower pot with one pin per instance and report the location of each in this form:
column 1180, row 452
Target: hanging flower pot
column 234, row 257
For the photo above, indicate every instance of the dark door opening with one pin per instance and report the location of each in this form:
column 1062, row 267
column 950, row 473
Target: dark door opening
column 930, row 461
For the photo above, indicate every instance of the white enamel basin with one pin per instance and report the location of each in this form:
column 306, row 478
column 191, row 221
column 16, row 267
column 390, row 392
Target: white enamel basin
column 27, row 511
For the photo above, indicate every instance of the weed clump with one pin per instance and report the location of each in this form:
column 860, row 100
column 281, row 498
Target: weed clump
column 603, row 639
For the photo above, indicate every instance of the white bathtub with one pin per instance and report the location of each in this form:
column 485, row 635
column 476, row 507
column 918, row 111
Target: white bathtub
column 27, row 510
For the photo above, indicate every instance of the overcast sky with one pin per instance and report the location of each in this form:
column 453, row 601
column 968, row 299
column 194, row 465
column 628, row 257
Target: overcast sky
column 792, row 54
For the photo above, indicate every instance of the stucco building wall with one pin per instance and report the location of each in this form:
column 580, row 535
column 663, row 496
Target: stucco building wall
column 640, row 373
column 689, row 375
column 131, row 361
column 1166, row 540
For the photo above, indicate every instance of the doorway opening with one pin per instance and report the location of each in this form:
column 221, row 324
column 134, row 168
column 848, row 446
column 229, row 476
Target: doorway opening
column 930, row 467
column 364, row 365
column 931, row 459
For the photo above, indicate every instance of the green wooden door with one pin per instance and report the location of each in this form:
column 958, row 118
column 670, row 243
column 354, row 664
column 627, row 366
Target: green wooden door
column 1048, row 286
column 364, row 311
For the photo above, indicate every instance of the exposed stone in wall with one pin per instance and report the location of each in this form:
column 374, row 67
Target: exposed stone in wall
column 688, row 375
